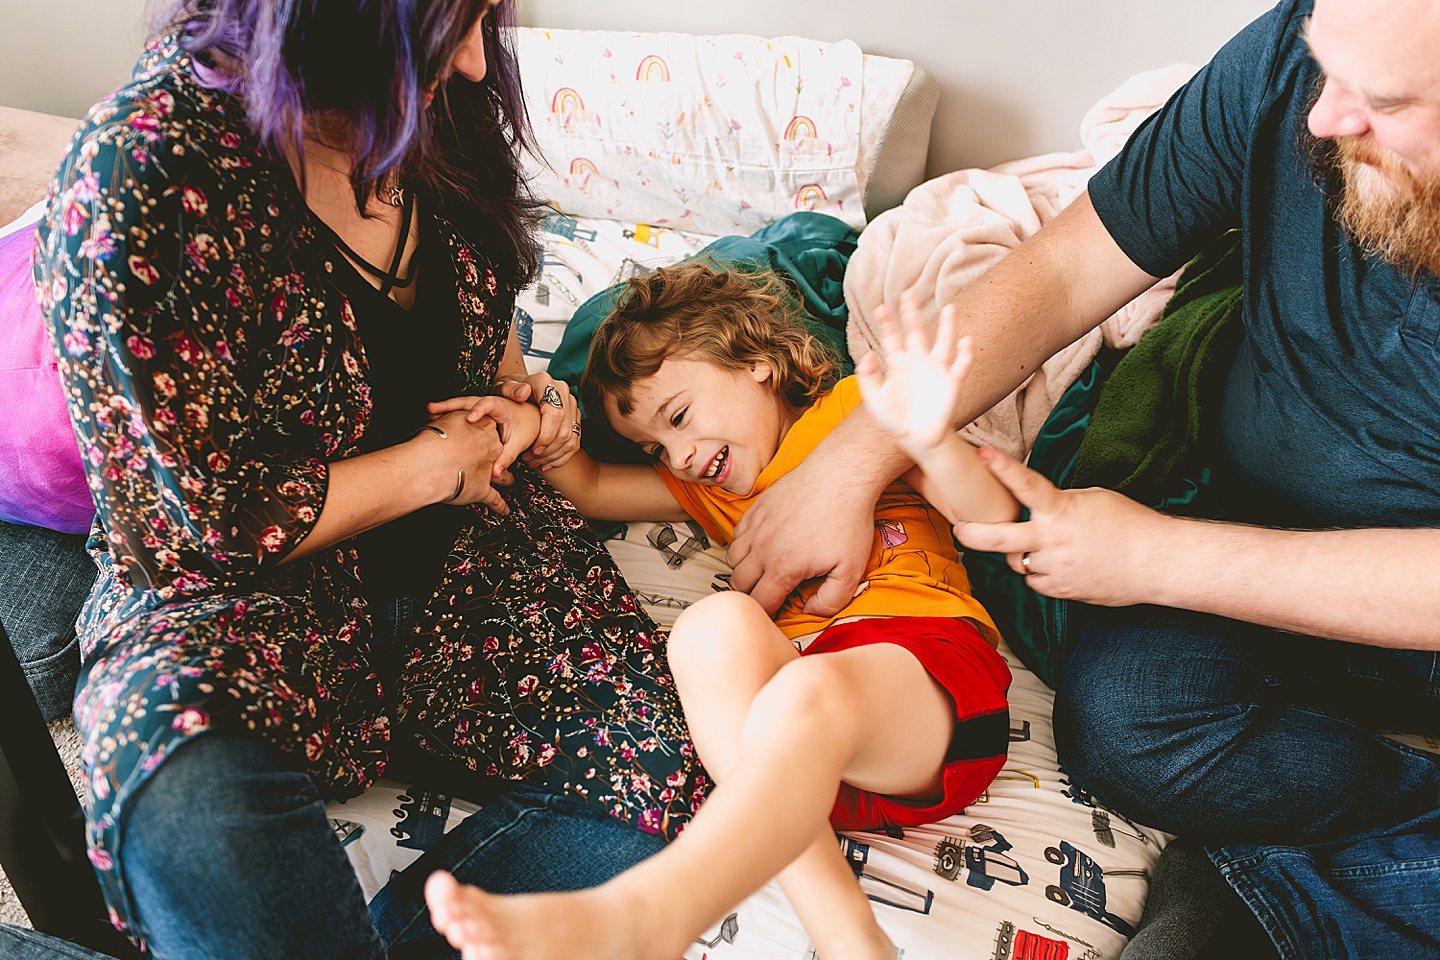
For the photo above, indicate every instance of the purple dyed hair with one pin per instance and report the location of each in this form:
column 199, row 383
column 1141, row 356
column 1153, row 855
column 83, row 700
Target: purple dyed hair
column 369, row 62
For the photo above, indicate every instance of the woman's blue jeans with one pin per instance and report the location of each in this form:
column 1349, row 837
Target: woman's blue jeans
column 1265, row 746
column 229, row 856
column 232, row 858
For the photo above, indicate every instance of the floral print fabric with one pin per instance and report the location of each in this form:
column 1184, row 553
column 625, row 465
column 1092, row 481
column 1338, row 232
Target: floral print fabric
column 212, row 369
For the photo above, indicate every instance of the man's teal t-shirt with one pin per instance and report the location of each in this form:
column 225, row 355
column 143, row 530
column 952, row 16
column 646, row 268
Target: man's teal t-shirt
column 1331, row 410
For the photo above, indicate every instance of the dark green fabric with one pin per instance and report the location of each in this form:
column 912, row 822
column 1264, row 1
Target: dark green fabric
column 810, row 249
column 1144, row 423
column 1156, row 425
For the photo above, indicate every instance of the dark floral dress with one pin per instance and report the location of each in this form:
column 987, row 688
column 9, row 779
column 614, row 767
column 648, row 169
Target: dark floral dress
column 212, row 369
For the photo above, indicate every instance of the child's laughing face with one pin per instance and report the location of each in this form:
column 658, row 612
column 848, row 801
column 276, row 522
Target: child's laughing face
column 706, row 423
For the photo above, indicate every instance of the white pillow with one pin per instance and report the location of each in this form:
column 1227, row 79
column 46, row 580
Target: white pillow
column 717, row 134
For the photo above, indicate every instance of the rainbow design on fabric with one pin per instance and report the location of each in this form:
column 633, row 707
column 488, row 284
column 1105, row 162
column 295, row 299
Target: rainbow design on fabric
column 565, row 100
column 799, row 127
column 653, row 68
column 809, row 195
column 580, row 165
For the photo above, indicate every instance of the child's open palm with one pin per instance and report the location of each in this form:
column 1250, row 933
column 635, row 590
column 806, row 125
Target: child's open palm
column 915, row 393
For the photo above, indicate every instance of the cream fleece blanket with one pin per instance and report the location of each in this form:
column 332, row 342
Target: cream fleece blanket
column 951, row 229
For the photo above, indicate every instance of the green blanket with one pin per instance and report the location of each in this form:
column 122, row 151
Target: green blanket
column 1156, row 423
column 1145, row 424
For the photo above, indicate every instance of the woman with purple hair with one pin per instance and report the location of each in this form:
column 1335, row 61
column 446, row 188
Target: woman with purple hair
column 301, row 222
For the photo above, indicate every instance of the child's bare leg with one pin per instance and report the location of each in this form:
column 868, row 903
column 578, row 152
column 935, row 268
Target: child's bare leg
column 871, row 715
column 723, row 651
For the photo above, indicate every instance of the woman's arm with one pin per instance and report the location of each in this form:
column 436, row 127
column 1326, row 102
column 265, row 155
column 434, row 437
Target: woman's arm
column 375, row 488
column 157, row 365
column 600, row 491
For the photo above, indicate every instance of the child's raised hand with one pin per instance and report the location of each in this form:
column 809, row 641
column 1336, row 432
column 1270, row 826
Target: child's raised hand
column 915, row 393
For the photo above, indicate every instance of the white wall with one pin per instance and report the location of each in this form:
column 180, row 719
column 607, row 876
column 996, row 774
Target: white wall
column 1016, row 75
column 60, row 56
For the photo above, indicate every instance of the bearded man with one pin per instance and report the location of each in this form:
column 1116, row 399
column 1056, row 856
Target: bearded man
column 1235, row 692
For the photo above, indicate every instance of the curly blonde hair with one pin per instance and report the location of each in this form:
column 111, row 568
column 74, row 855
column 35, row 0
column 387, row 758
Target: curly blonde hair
column 699, row 310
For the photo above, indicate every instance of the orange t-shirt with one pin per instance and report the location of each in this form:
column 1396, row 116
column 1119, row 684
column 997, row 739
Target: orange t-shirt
column 914, row 568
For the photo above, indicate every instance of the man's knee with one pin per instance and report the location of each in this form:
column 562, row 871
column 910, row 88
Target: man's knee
column 1118, row 709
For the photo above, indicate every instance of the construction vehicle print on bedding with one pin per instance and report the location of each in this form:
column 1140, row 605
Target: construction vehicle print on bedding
column 983, row 853
column 421, row 818
column 1081, row 885
column 1017, row 943
column 678, row 542
column 1102, row 818
column 880, row 889
column 560, row 225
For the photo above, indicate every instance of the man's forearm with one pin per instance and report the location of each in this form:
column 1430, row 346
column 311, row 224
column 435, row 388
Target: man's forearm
column 863, row 452
column 1377, row 587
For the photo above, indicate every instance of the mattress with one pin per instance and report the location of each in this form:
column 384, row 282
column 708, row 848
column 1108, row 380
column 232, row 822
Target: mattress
column 1034, row 869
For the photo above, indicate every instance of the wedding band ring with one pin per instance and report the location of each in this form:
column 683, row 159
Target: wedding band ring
column 1025, row 562
column 551, row 396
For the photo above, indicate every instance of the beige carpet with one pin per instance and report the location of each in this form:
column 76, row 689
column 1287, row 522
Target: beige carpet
column 67, row 741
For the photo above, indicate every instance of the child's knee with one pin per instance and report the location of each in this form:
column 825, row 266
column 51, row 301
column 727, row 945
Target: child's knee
column 716, row 618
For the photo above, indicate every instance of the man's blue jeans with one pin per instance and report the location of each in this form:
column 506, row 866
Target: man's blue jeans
column 1264, row 745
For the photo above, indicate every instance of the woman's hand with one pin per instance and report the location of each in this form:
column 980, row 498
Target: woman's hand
column 466, row 457
column 915, row 392
column 559, row 435
column 516, row 423
column 1093, row 545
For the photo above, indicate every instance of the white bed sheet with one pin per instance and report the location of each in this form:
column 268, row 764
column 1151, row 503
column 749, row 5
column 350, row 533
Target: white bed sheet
column 581, row 257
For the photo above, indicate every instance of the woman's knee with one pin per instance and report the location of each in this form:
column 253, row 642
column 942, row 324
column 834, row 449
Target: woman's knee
column 213, row 790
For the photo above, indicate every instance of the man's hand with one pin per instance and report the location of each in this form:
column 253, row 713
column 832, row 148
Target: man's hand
column 1093, row 545
column 785, row 538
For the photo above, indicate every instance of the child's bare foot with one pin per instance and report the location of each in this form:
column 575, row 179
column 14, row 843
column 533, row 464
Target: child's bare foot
column 596, row 924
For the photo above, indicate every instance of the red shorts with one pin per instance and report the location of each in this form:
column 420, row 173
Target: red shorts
column 976, row 677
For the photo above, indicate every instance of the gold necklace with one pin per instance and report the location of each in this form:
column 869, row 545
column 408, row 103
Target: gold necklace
column 392, row 192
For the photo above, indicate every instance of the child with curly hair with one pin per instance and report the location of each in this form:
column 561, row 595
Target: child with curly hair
column 891, row 713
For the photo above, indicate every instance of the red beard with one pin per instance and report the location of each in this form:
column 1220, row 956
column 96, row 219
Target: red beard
column 1391, row 211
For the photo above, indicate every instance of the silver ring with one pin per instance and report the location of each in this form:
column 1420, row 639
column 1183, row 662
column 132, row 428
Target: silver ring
column 551, row 396
column 1025, row 563
column 575, row 427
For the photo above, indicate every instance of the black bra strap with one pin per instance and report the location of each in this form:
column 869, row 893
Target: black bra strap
column 390, row 279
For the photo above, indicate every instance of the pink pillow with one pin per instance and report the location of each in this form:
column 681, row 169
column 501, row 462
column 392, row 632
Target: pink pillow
column 41, row 480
